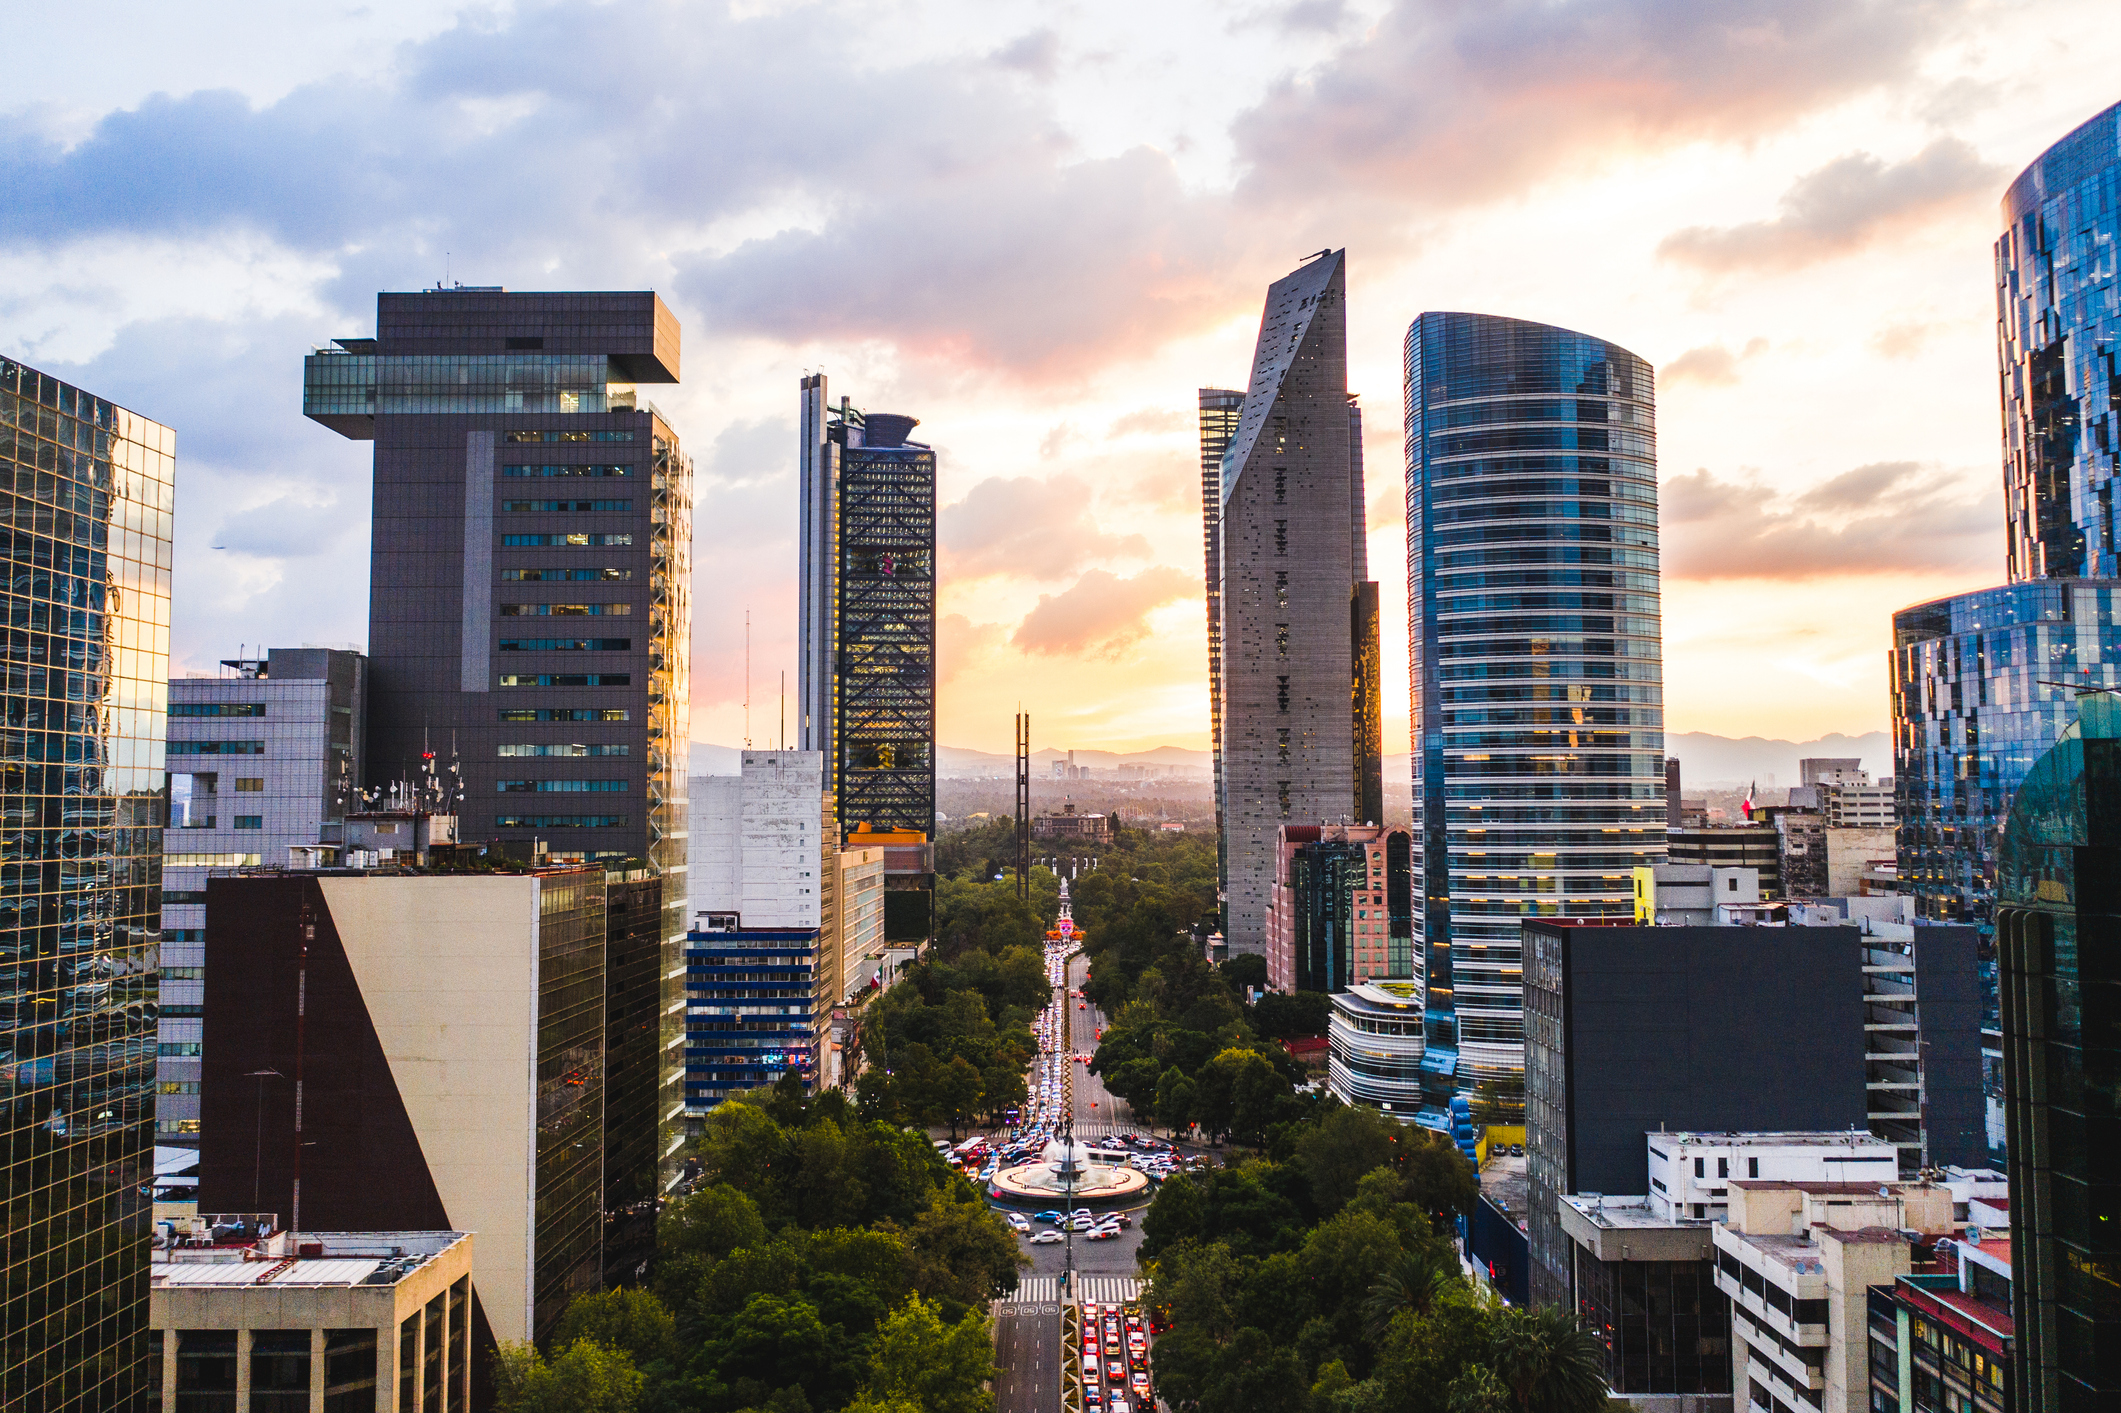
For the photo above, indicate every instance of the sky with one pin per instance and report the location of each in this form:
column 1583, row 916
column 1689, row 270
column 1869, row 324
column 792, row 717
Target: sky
column 1040, row 228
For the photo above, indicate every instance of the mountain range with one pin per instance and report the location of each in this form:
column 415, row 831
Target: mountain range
column 1705, row 760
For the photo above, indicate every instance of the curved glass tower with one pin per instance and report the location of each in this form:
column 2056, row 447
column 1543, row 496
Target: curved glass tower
column 1538, row 705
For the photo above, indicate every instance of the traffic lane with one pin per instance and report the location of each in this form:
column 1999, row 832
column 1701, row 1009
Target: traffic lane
column 1117, row 1257
column 1093, row 1102
column 1027, row 1347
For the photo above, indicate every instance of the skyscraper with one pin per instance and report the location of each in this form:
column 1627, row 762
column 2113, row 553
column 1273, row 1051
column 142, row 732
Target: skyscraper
column 2057, row 917
column 523, row 487
column 91, row 488
column 1291, row 597
column 1220, row 409
column 865, row 674
column 1538, row 717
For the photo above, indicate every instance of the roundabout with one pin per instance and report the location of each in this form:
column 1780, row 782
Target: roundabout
column 1065, row 1173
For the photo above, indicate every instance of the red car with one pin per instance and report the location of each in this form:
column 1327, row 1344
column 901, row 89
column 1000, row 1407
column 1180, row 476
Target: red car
column 1115, row 1372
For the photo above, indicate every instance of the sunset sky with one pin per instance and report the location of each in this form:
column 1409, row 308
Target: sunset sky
column 1039, row 228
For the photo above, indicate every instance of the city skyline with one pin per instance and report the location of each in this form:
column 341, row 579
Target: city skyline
column 1801, row 229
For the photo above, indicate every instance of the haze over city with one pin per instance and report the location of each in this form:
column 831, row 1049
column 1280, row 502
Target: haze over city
column 1039, row 229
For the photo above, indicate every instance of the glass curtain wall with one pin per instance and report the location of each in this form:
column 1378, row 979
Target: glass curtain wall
column 1538, row 717
column 90, row 492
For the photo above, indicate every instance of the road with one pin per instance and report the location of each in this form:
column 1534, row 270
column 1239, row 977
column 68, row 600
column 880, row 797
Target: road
column 1027, row 1329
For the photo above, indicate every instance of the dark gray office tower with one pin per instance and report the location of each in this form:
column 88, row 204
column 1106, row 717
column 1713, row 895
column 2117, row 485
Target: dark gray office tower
column 1538, row 704
column 530, row 577
column 1633, row 1029
column 90, row 492
column 1219, row 411
column 2058, row 921
column 1299, row 709
column 865, row 675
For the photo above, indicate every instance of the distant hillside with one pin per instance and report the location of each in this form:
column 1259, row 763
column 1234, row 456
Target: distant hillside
column 1705, row 760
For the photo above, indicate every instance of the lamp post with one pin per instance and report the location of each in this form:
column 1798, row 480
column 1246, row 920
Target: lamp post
column 257, row 1164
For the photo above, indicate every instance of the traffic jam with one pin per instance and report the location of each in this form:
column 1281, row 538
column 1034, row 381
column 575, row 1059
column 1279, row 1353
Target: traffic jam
column 1114, row 1353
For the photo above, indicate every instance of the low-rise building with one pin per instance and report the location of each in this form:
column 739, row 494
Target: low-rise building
column 1754, row 846
column 320, row 1322
column 749, row 1013
column 1341, row 908
column 1942, row 1342
column 1376, row 1051
column 1073, row 827
column 1687, row 895
column 1797, row 1261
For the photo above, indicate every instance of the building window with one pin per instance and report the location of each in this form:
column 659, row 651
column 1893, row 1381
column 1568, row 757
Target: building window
column 251, row 783
column 1281, row 640
column 1752, row 1167
column 1281, row 693
column 1281, row 746
column 349, row 1371
column 206, row 1365
column 409, row 1362
column 250, row 821
column 279, row 1371
column 1281, row 537
column 1281, row 485
column 1723, row 1167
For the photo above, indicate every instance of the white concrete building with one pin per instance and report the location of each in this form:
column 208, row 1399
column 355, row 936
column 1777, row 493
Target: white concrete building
column 261, row 760
column 1691, row 1173
column 759, row 840
column 1797, row 1260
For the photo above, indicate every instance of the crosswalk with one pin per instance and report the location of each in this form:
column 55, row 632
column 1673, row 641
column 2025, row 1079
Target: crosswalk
column 1108, row 1290
column 1033, row 1290
column 1099, row 1290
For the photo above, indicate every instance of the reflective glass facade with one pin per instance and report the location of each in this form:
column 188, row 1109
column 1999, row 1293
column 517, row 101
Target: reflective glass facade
column 748, row 1016
column 2058, row 341
column 90, row 494
column 1538, row 716
column 2058, row 933
column 1219, row 412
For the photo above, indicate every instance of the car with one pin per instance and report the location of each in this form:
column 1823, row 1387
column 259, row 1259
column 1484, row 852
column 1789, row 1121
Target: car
column 1517, row 1150
column 1048, row 1238
column 1082, row 1212
column 1118, row 1405
column 1138, row 1359
column 1111, row 1327
column 1093, row 1397
column 1102, row 1234
column 1134, row 1320
column 1115, row 1371
column 1126, row 1219
column 1140, row 1384
column 1046, row 1216
column 1077, row 1224
column 1017, row 1221
column 1090, row 1349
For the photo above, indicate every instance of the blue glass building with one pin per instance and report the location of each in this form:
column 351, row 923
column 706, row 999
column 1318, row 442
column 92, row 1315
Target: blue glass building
column 90, row 491
column 1538, row 706
column 748, row 1000
column 2058, row 330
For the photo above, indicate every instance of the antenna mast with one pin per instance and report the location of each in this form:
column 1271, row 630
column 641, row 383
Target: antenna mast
column 747, row 679
column 1023, row 805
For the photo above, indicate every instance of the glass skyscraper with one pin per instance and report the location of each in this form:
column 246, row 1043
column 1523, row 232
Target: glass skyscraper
column 1538, row 716
column 90, row 495
column 1981, row 681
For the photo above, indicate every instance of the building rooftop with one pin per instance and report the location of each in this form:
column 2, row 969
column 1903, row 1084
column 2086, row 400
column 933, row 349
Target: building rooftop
column 1851, row 1138
column 1628, row 1213
column 310, row 1259
column 1799, row 1253
column 1823, row 1189
column 1880, row 1236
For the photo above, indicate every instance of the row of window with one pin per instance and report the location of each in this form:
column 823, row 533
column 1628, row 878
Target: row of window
column 565, row 750
column 576, row 538
column 217, row 708
column 551, row 506
column 217, row 748
column 583, row 471
column 566, row 679
column 565, row 610
column 564, row 576
column 562, row 714
column 560, row 821
column 606, row 436
column 560, row 787
column 566, row 645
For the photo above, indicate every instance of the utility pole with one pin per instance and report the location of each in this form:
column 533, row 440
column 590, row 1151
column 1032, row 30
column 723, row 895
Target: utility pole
column 1023, row 807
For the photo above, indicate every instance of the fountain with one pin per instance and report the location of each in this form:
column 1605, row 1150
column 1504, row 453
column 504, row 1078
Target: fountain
column 1064, row 1172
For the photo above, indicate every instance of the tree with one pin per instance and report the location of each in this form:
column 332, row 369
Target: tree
column 935, row 1367
column 1548, row 1362
column 1335, row 1153
column 1175, row 1098
column 630, row 1320
column 962, row 1254
column 1245, row 969
column 1286, row 1015
column 1410, row 1285
column 958, row 1091
column 584, row 1378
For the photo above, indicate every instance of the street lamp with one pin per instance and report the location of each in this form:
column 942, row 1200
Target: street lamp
column 257, row 1164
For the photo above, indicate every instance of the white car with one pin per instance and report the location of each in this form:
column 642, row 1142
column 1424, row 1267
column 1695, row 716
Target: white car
column 1048, row 1238
column 1019, row 1221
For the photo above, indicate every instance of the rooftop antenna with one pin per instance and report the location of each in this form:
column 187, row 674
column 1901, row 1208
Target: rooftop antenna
column 747, row 679
column 784, row 708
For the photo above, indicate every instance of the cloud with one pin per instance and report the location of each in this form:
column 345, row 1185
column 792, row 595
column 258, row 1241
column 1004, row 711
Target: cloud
column 1888, row 517
column 1036, row 54
column 960, row 643
column 1102, row 614
column 1035, row 529
column 1445, row 105
column 1842, row 207
column 1712, row 365
column 287, row 527
column 788, row 179
column 1148, row 420
column 1905, row 338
